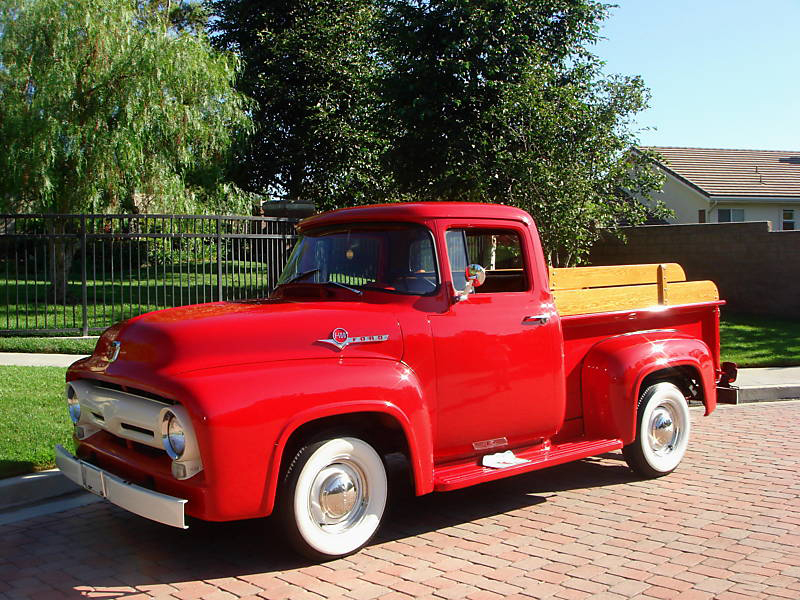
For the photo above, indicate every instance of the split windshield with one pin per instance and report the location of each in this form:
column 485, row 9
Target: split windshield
column 393, row 258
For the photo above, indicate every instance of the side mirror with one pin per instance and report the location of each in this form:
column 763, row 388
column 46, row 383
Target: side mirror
column 475, row 276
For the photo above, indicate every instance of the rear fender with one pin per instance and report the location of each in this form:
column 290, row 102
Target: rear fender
column 614, row 370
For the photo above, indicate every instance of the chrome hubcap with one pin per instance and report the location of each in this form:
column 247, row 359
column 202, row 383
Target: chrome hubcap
column 338, row 496
column 664, row 432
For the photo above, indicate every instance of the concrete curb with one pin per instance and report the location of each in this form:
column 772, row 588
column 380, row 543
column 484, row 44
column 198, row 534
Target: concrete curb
column 762, row 393
column 34, row 487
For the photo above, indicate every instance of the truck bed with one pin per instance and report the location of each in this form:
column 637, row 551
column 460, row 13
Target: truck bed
column 596, row 303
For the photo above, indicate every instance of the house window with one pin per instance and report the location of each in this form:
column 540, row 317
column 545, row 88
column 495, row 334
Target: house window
column 788, row 219
column 701, row 215
column 730, row 215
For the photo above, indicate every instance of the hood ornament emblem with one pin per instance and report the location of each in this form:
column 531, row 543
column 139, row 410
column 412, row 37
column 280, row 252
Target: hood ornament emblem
column 113, row 351
column 341, row 339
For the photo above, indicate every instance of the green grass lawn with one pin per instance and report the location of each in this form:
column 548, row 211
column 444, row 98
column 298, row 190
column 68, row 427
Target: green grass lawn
column 757, row 341
column 33, row 418
column 48, row 345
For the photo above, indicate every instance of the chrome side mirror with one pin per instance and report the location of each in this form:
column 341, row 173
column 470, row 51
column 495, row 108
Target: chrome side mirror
column 475, row 275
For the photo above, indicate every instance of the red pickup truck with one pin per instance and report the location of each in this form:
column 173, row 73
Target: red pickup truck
column 434, row 330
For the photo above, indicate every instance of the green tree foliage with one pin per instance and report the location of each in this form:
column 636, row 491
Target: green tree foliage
column 105, row 104
column 311, row 66
column 484, row 100
column 501, row 101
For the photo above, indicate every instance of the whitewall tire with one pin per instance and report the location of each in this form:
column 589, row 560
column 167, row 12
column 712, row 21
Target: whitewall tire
column 334, row 496
column 662, row 431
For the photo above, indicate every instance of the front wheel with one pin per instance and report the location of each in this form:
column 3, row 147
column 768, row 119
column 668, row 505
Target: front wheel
column 333, row 498
column 662, row 431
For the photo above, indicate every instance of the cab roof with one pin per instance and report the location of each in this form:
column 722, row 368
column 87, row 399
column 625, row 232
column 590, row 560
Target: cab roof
column 415, row 212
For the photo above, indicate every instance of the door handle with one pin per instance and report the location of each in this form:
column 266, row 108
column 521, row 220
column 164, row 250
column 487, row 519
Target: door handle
column 536, row 319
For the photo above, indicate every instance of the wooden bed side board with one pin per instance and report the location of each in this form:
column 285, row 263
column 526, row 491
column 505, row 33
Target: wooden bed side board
column 596, row 300
column 612, row 276
column 585, row 290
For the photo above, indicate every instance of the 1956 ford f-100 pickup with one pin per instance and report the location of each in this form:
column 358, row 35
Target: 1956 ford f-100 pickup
column 435, row 330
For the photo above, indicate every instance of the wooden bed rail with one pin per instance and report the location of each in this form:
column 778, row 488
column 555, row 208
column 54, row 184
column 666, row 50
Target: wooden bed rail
column 583, row 290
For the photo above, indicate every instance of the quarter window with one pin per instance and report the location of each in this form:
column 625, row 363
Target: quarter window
column 788, row 223
column 499, row 251
column 730, row 215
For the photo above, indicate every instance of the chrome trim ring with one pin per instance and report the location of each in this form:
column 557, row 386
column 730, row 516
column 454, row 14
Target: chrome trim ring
column 166, row 442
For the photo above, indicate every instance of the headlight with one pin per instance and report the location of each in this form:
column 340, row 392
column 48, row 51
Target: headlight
column 73, row 405
column 173, row 436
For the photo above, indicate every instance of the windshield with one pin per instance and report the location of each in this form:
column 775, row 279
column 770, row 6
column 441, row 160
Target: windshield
column 389, row 258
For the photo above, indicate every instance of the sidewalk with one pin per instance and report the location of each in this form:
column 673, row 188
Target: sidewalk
column 768, row 376
column 24, row 359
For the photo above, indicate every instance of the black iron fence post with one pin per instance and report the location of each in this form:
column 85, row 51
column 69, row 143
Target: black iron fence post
column 84, row 283
column 219, row 259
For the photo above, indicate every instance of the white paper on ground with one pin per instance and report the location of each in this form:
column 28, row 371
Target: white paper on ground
column 501, row 460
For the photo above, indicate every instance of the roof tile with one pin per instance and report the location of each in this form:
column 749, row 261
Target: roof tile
column 723, row 172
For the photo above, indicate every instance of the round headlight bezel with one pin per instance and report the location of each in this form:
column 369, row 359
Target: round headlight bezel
column 173, row 435
column 73, row 405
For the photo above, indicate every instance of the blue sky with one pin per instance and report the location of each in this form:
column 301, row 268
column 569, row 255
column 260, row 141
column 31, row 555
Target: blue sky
column 722, row 74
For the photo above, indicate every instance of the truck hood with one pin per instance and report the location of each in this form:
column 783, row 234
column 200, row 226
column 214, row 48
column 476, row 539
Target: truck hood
column 219, row 334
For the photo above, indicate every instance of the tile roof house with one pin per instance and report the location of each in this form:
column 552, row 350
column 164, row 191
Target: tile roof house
column 715, row 185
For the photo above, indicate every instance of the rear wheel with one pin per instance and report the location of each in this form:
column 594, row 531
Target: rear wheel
column 662, row 431
column 333, row 498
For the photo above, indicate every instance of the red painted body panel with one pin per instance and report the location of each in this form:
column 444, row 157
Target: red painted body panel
column 496, row 376
column 450, row 373
column 614, row 369
column 417, row 212
column 582, row 333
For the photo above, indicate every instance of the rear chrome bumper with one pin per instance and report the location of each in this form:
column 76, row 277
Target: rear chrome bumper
column 134, row 498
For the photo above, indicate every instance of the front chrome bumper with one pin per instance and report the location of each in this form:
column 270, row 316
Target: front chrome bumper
column 134, row 498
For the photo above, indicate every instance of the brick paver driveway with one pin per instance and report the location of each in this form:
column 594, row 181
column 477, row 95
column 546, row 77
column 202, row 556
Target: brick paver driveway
column 725, row 525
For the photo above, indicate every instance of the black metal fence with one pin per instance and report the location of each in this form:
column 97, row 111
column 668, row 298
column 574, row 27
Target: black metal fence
column 82, row 273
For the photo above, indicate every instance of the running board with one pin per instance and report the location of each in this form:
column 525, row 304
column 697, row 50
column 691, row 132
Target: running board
column 453, row 476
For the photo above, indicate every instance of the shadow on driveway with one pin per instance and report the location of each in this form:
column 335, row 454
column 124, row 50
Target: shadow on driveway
column 105, row 547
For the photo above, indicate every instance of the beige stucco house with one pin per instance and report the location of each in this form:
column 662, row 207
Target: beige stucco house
column 709, row 185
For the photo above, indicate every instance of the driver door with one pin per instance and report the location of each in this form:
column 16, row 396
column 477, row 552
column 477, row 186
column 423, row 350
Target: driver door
column 496, row 369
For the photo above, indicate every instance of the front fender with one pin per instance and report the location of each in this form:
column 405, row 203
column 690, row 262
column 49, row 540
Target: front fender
column 386, row 387
column 614, row 369
column 251, row 413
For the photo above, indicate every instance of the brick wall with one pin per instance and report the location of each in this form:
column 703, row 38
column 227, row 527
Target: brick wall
column 756, row 270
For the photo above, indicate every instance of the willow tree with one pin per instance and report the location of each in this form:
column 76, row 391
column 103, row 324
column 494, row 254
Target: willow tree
column 103, row 102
